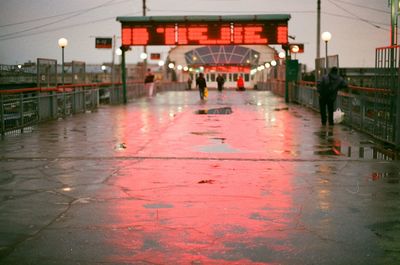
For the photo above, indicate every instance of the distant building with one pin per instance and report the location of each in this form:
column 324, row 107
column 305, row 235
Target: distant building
column 231, row 61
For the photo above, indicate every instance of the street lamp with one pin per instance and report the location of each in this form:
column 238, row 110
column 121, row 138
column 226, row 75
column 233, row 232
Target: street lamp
column 295, row 49
column 118, row 52
column 62, row 43
column 143, row 56
column 326, row 36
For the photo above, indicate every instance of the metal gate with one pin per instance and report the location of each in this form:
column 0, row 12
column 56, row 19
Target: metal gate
column 387, row 116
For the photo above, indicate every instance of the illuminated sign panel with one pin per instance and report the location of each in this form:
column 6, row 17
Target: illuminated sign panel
column 186, row 31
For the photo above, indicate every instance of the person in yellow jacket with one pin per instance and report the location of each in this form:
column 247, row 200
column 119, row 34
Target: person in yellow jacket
column 201, row 84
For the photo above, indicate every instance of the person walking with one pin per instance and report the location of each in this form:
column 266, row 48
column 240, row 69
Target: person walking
column 240, row 84
column 149, row 82
column 201, row 84
column 189, row 83
column 220, row 82
column 328, row 87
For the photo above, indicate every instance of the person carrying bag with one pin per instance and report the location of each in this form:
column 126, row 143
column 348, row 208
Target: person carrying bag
column 328, row 88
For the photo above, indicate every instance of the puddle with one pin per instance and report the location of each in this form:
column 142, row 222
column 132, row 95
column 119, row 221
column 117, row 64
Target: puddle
column 205, row 133
column 224, row 110
column 380, row 152
column 218, row 146
column 206, row 181
column 331, row 145
column 279, row 109
column 388, row 177
column 330, row 152
column 120, row 146
column 222, row 139
column 158, row 206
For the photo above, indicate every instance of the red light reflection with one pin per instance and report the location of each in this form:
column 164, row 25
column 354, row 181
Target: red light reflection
column 167, row 217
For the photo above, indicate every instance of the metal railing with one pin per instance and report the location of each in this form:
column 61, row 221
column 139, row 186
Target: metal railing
column 366, row 109
column 24, row 108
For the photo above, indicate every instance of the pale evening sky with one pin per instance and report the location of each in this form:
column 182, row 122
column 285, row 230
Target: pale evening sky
column 30, row 29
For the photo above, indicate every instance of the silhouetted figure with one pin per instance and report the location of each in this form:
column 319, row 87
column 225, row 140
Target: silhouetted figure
column 220, row 82
column 189, row 83
column 149, row 82
column 201, row 84
column 328, row 87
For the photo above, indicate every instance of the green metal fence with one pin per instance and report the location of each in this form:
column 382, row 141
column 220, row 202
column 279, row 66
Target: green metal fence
column 387, row 78
column 366, row 109
column 23, row 108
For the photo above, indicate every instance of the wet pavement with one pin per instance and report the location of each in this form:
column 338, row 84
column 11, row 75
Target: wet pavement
column 242, row 178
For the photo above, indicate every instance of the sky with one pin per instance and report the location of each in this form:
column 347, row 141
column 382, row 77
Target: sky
column 31, row 29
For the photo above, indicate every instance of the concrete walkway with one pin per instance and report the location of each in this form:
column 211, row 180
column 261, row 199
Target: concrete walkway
column 160, row 181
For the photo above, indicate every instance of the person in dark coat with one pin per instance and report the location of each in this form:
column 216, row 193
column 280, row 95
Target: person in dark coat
column 189, row 82
column 149, row 83
column 328, row 87
column 201, row 84
column 220, row 82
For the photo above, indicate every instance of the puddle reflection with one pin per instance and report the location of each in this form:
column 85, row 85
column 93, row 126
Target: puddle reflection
column 224, row 110
column 332, row 145
column 388, row 177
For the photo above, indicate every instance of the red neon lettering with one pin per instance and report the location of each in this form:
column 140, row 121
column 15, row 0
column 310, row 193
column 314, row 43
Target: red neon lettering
column 205, row 34
column 225, row 36
column 282, row 34
column 238, row 35
column 197, row 34
column 200, row 35
column 126, row 36
column 182, row 36
column 170, row 36
column 252, row 35
column 140, row 36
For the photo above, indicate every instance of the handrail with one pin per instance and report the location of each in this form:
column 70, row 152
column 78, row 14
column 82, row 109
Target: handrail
column 56, row 88
column 62, row 88
column 387, row 47
column 352, row 87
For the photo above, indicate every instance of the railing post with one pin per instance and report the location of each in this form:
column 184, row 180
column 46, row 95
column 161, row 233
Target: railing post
column 38, row 105
column 2, row 115
column 21, row 110
column 287, row 58
column 64, row 103
column 397, row 88
column 74, row 101
column 125, row 100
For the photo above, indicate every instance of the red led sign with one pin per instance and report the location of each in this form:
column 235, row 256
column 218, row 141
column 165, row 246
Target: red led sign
column 212, row 33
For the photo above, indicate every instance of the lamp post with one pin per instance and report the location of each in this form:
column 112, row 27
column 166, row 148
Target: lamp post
column 326, row 36
column 62, row 43
column 104, row 69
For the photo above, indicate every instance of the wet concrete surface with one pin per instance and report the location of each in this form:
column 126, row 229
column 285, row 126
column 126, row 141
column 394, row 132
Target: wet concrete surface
column 156, row 182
